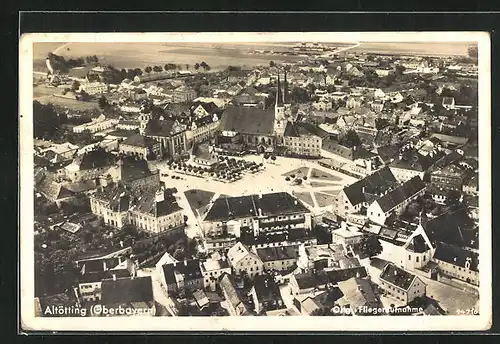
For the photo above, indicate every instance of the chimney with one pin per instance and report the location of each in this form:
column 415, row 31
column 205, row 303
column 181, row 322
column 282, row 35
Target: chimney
column 114, row 277
column 185, row 263
column 260, row 212
column 363, row 189
column 343, row 225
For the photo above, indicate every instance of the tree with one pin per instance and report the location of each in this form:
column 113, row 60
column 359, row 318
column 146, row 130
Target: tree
column 351, row 139
column 138, row 71
column 75, row 86
column 158, row 69
column 196, row 66
column 473, row 52
column 103, row 102
column 148, row 69
column 187, row 65
column 370, row 246
column 272, row 64
column 323, row 311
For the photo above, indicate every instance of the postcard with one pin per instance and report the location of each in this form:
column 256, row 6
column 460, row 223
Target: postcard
column 255, row 181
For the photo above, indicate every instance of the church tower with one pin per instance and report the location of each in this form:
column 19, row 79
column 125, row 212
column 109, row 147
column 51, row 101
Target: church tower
column 286, row 102
column 279, row 114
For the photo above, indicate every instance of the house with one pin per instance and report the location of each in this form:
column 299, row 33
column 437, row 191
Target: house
column 346, row 236
column 383, row 72
column 89, row 165
column 94, row 271
column 278, row 258
column 353, row 102
column 132, row 173
column 377, row 105
column 59, row 152
column 185, row 276
column 154, row 209
column 157, row 211
column 171, row 134
column 322, row 105
column 93, row 88
column 361, row 193
column 307, row 282
column 449, row 177
column 358, row 296
column 128, row 296
column 266, row 296
column 203, row 155
column 302, row 139
column 51, row 189
column 411, row 163
column 454, row 227
column 457, row 262
column 450, row 140
column 244, row 262
column 212, row 269
column 202, row 128
column 471, row 187
column 401, row 285
column 96, row 125
column 234, row 304
column 140, row 146
column 448, row 103
column 259, row 213
column 396, row 200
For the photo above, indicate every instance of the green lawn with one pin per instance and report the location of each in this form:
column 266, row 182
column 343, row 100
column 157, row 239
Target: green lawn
column 198, row 198
column 305, row 197
column 320, row 175
column 298, row 172
column 324, row 199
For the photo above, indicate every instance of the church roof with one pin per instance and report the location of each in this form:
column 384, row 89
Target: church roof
column 248, row 120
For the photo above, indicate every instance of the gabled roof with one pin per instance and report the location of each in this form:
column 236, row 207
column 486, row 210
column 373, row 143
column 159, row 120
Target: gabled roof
column 165, row 128
column 417, row 244
column 269, row 254
column 376, row 183
column 457, row 256
column 248, row 120
column 138, row 140
column 401, row 194
column 126, row 290
column 397, row 276
column 455, row 228
column 148, row 204
column 358, row 293
column 279, row 203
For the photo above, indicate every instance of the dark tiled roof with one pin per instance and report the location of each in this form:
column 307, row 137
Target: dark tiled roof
column 211, row 108
column 118, row 196
column 132, row 170
column 397, row 276
column 418, row 245
column 248, row 120
column 266, row 289
column 165, row 128
column 388, row 152
column 125, row 290
column 416, row 161
column 303, row 129
column 276, row 253
column 147, row 203
column 330, row 145
column 454, row 228
column 138, row 140
column 376, row 183
column 280, row 203
column 336, row 276
column 96, row 158
column 401, row 194
column 227, row 285
column 122, row 133
column 51, row 189
column 457, row 256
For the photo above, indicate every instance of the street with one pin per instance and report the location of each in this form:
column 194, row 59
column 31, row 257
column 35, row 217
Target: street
column 159, row 294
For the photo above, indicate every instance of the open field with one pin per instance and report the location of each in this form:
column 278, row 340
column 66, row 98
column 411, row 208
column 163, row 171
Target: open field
column 66, row 102
column 407, row 48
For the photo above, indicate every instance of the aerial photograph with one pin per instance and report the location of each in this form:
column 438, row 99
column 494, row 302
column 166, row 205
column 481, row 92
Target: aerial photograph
column 255, row 179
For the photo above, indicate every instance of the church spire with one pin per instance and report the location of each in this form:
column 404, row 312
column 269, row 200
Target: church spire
column 285, row 90
column 279, row 99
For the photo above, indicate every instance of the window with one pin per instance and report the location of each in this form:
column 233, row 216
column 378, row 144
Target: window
column 417, row 259
column 409, row 257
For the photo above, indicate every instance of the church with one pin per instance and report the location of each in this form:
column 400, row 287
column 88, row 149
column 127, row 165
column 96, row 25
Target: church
column 256, row 128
